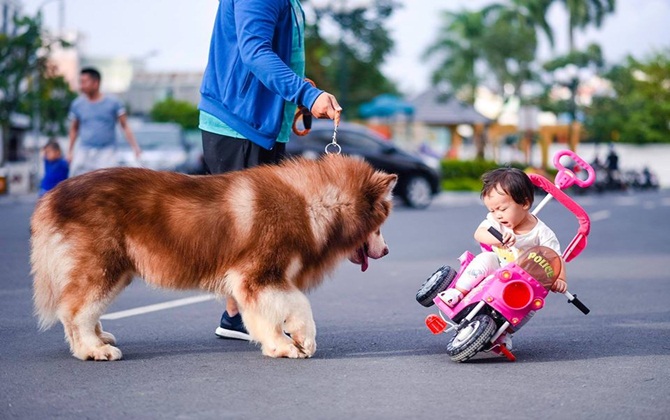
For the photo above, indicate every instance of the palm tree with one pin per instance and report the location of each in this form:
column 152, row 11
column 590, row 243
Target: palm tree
column 459, row 49
column 583, row 13
column 511, row 40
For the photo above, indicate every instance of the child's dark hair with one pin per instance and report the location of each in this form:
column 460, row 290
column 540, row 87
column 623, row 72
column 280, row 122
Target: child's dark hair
column 92, row 72
column 514, row 182
column 53, row 145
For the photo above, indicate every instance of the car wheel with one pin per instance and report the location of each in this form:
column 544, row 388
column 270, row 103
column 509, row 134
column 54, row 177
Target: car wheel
column 418, row 193
column 471, row 339
column 434, row 285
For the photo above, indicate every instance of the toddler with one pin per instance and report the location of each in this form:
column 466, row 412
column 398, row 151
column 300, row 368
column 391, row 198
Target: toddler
column 508, row 194
column 55, row 167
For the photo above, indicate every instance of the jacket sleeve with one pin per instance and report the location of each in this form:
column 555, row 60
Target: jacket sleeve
column 255, row 25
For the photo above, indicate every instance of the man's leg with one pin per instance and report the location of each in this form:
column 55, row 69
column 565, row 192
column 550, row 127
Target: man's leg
column 224, row 154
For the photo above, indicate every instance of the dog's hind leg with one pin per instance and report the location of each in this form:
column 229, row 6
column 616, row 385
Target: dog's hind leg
column 265, row 319
column 80, row 320
column 80, row 314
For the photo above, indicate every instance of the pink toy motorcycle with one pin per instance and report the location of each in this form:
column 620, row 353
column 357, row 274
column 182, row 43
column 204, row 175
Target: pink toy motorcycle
column 504, row 301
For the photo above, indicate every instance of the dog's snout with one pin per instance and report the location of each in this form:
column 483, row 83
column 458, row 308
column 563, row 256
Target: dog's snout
column 385, row 251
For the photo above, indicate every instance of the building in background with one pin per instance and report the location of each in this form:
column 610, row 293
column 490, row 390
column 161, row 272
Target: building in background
column 148, row 88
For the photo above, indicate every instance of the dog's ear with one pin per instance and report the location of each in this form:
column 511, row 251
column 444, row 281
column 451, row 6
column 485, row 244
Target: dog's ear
column 391, row 181
column 384, row 184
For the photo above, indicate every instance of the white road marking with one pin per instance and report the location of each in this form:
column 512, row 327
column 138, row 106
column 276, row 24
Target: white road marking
column 626, row 201
column 600, row 215
column 157, row 307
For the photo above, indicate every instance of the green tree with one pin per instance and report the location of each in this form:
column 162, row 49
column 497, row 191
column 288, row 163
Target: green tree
column 584, row 13
column 53, row 96
column 495, row 45
column 27, row 82
column 639, row 109
column 459, row 49
column 181, row 112
column 348, row 63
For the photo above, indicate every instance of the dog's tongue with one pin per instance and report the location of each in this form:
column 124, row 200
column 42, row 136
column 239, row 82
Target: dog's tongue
column 364, row 258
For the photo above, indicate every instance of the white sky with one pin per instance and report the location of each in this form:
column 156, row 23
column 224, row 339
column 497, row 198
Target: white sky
column 176, row 32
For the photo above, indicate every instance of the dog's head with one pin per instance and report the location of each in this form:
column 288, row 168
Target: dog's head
column 374, row 247
column 378, row 195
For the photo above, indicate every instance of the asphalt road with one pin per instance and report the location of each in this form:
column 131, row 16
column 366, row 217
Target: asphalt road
column 375, row 358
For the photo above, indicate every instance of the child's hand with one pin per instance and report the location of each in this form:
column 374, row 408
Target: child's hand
column 559, row 286
column 508, row 239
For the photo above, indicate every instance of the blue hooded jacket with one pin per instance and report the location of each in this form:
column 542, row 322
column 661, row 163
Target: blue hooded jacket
column 247, row 78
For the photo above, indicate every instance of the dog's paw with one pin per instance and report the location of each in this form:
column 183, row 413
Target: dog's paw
column 288, row 350
column 102, row 353
column 307, row 347
column 107, row 338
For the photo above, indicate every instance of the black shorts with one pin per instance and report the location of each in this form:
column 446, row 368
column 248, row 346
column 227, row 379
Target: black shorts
column 223, row 153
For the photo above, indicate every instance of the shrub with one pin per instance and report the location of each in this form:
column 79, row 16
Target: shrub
column 465, row 175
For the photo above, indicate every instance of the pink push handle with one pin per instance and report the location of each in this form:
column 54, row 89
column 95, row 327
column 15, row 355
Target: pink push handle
column 565, row 177
column 579, row 242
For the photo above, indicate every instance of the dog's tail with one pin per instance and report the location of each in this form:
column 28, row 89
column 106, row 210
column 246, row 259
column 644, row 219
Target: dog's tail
column 45, row 271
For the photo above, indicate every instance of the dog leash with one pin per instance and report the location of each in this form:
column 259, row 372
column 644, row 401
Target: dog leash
column 303, row 113
column 336, row 147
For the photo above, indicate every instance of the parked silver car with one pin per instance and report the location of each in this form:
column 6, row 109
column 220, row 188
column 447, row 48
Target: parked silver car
column 163, row 147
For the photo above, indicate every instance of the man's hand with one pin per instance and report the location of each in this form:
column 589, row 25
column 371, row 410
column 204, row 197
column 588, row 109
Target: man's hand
column 326, row 106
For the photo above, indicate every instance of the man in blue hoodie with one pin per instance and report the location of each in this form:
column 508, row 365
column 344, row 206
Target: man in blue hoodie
column 253, row 82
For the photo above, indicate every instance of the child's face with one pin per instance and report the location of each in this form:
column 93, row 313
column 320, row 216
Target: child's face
column 504, row 209
column 51, row 154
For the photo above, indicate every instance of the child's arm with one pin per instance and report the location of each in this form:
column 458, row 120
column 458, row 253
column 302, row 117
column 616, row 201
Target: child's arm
column 483, row 236
column 560, row 285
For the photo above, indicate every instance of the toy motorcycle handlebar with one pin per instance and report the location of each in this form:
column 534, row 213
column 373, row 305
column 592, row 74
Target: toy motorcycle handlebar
column 578, row 303
column 566, row 177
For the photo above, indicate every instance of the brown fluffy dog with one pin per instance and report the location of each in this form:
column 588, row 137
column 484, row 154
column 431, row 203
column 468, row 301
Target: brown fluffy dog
column 261, row 235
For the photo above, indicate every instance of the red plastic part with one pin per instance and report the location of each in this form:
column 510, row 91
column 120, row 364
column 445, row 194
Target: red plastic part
column 517, row 295
column 510, row 356
column 435, row 324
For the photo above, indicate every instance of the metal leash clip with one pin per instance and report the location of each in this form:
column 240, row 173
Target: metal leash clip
column 333, row 144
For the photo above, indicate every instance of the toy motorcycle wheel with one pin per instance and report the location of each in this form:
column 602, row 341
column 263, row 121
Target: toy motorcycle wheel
column 472, row 338
column 436, row 283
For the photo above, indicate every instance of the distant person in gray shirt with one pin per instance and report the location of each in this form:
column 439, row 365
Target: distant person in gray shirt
column 93, row 119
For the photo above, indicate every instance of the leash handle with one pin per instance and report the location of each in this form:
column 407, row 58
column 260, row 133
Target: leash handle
column 303, row 113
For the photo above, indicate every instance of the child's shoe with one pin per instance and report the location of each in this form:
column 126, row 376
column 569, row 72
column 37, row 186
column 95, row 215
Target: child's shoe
column 451, row 297
column 507, row 341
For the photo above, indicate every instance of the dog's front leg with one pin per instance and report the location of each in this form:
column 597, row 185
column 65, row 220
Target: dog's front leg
column 264, row 319
column 300, row 324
